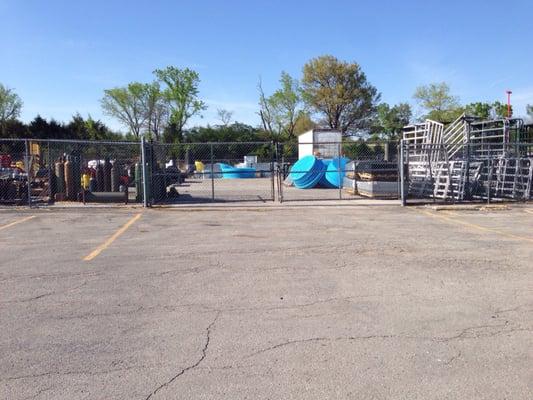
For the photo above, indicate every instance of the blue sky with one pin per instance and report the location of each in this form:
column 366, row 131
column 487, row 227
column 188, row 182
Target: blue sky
column 60, row 55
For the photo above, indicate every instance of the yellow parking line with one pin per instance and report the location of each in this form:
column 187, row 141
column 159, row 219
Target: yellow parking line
column 112, row 238
column 19, row 221
column 475, row 226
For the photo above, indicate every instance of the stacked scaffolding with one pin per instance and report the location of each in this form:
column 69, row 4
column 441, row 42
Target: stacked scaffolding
column 469, row 159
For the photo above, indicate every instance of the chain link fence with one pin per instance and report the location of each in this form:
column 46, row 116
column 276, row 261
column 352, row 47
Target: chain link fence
column 68, row 172
column 221, row 172
column 481, row 171
column 34, row 172
column 337, row 170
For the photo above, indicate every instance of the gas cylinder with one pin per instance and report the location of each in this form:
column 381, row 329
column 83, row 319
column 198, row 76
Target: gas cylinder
column 115, row 177
column 75, row 159
column 138, row 182
column 99, row 178
column 107, row 175
column 60, row 177
column 5, row 160
column 69, row 181
column 85, row 181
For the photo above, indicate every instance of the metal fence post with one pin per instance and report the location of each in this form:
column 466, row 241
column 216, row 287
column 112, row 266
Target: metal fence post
column 339, row 149
column 281, row 156
column 144, row 174
column 272, row 155
column 402, row 174
column 51, row 183
column 28, row 169
column 212, row 174
column 489, row 176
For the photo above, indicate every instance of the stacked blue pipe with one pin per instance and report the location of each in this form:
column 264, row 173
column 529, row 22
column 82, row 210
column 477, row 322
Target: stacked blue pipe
column 231, row 172
column 306, row 172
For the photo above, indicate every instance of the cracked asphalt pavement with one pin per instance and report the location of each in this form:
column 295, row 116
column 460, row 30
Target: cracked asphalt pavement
column 359, row 302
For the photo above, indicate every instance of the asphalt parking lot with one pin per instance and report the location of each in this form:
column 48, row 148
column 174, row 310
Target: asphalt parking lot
column 362, row 302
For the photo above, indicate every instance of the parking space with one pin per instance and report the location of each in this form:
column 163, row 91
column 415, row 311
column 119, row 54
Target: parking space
column 280, row 302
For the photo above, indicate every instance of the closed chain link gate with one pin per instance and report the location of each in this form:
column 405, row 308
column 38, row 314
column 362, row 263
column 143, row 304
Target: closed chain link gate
column 206, row 172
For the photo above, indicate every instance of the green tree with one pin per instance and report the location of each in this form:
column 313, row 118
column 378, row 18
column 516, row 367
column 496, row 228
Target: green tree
column 438, row 103
column 224, row 116
column 10, row 106
column 96, row 130
column 14, row 128
column 266, row 112
column 529, row 110
column 156, row 110
column 487, row 110
column 236, row 132
column 357, row 149
column 478, row 109
column 281, row 111
column 500, row 110
column 128, row 105
column 286, row 104
column 40, row 128
column 181, row 93
column 89, row 129
column 304, row 123
column 340, row 92
column 389, row 121
column 77, row 127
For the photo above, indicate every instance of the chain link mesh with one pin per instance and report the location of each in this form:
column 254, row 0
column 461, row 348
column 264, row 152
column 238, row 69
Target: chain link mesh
column 344, row 170
column 199, row 172
column 36, row 172
column 45, row 171
column 479, row 171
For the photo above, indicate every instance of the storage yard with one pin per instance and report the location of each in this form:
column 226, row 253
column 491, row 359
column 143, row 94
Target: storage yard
column 469, row 160
column 335, row 301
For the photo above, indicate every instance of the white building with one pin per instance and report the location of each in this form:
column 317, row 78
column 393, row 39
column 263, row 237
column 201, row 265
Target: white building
column 323, row 143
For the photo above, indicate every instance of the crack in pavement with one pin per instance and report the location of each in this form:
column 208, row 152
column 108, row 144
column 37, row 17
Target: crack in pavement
column 461, row 335
column 211, row 309
column 283, row 307
column 452, row 359
column 89, row 373
column 103, row 314
column 190, row 367
column 45, row 276
column 28, row 299
column 464, row 332
column 319, row 339
column 514, row 309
